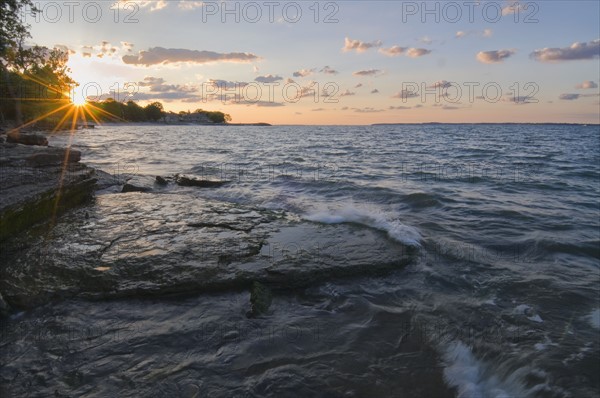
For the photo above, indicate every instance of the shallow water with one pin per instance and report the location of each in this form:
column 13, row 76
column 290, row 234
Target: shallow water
column 500, row 299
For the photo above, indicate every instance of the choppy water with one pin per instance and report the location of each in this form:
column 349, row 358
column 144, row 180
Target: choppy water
column 502, row 299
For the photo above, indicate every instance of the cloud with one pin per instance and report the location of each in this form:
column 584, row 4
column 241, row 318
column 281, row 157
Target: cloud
column 151, row 81
column 328, row 71
column 189, row 5
column 303, row 72
column 160, row 4
column 494, row 57
column 522, row 99
column 127, row 46
column 225, row 84
column 485, row 33
column 347, row 93
column 367, row 110
column 417, row 52
column 586, row 85
column 318, row 110
column 393, row 51
column 425, row 40
column 571, row 97
column 374, row 91
column 359, row 46
column 104, row 49
column 268, row 79
column 265, row 104
column 399, row 108
column 513, row 8
column 359, row 85
column 160, row 55
column 64, row 48
column 368, row 72
column 405, row 94
column 577, row 51
column 154, row 5
column 441, row 84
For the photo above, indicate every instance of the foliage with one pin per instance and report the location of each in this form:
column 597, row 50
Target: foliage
column 34, row 80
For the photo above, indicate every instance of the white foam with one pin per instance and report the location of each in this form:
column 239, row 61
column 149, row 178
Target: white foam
column 473, row 379
column 535, row 318
column 527, row 310
column 594, row 318
column 370, row 217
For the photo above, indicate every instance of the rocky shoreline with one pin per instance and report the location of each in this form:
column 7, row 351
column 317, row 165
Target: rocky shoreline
column 149, row 237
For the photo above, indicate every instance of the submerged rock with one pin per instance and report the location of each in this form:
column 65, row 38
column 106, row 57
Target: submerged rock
column 161, row 181
column 132, row 188
column 4, row 307
column 171, row 243
column 186, row 181
column 260, row 299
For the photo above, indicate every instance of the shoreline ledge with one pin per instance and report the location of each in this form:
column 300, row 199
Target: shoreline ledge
column 38, row 183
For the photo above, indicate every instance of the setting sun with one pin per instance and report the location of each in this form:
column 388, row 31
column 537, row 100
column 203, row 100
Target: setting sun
column 78, row 99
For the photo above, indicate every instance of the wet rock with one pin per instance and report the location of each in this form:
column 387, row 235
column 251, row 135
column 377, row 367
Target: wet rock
column 161, row 181
column 187, row 181
column 54, row 157
column 260, row 299
column 170, row 244
column 31, row 193
column 4, row 307
column 18, row 137
column 132, row 188
column 139, row 183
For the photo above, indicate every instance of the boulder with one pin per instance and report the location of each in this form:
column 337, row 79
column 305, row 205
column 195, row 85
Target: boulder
column 17, row 137
column 161, row 181
column 55, row 157
column 35, row 185
column 187, row 181
column 132, row 188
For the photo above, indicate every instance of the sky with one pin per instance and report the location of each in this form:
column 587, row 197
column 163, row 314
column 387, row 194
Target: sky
column 336, row 62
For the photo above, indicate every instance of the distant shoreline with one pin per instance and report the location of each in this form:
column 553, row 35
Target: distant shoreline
column 489, row 123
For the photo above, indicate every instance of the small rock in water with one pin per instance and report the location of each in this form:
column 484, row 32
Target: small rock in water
column 54, row 158
column 4, row 307
column 133, row 188
column 161, row 181
column 260, row 299
column 26, row 138
column 185, row 181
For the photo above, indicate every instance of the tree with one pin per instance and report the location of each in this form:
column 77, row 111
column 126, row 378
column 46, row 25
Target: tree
column 134, row 112
column 13, row 32
column 35, row 77
column 154, row 111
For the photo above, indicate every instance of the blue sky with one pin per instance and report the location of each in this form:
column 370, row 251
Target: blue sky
column 182, row 54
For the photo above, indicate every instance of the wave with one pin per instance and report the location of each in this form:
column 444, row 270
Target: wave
column 473, row 379
column 372, row 218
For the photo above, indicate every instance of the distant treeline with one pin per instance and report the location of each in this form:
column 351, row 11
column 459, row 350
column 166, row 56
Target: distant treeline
column 111, row 110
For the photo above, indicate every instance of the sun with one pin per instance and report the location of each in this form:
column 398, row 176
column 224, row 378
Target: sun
column 78, row 100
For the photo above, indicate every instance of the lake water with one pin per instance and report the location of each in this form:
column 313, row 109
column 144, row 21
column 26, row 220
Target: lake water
column 501, row 298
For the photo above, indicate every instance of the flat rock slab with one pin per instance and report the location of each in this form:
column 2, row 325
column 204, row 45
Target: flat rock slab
column 37, row 183
column 140, row 244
